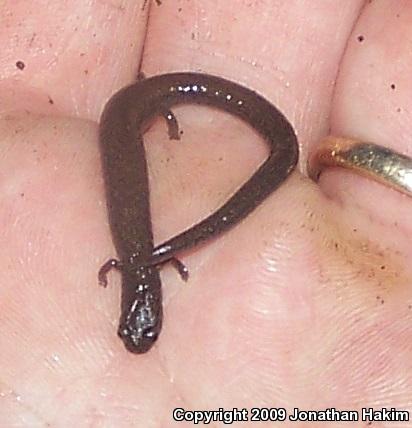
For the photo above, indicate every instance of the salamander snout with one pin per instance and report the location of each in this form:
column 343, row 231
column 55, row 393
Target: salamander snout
column 137, row 341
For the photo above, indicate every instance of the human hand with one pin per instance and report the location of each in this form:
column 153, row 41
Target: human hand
column 305, row 304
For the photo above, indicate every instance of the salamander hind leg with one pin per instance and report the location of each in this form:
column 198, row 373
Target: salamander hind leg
column 172, row 125
column 170, row 118
column 181, row 268
column 171, row 121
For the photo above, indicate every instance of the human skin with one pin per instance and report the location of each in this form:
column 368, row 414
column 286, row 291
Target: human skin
column 306, row 303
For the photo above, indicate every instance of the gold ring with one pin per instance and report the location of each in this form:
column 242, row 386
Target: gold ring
column 370, row 160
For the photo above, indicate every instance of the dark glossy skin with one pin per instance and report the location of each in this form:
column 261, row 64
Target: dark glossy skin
column 127, row 191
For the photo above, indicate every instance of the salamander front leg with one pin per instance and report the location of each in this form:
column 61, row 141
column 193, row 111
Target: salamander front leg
column 182, row 270
column 106, row 268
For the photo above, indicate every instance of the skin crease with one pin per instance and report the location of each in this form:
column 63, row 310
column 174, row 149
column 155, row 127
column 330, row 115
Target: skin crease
column 305, row 304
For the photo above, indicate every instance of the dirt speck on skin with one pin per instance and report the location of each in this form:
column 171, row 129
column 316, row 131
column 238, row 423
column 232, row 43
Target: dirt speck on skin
column 352, row 266
column 369, row 261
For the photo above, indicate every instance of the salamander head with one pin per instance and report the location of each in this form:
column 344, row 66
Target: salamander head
column 137, row 341
column 140, row 328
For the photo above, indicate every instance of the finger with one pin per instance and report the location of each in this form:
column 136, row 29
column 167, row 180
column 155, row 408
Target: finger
column 372, row 103
column 366, row 283
column 67, row 58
